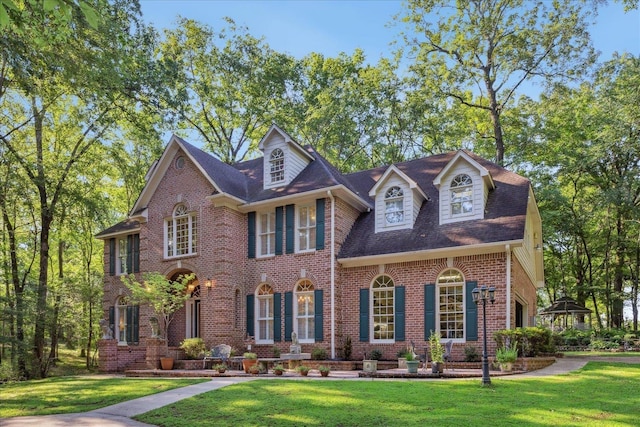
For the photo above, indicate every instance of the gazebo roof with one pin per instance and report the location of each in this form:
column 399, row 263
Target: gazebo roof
column 565, row 305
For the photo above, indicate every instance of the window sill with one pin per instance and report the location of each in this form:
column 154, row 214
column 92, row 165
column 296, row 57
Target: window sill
column 172, row 258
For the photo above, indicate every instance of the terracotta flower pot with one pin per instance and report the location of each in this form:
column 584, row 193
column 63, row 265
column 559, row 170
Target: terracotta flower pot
column 247, row 364
column 166, row 363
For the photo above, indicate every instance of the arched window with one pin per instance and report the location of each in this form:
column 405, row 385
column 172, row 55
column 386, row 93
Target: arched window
column 305, row 314
column 193, row 312
column 450, row 308
column 461, row 195
column 276, row 163
column 181, row 232
column 264, row 314
column 125, row 322
column 394, row 206
column 382, row 306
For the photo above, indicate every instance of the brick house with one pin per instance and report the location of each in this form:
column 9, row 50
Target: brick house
column 287, row 243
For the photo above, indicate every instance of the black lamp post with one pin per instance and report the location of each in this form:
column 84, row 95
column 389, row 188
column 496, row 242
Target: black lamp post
column 483, row 294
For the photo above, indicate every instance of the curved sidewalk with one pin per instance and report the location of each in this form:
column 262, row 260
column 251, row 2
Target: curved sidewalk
column 119, row 415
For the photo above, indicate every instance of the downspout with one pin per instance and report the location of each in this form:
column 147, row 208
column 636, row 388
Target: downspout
column 333, row 274
column 508, row 280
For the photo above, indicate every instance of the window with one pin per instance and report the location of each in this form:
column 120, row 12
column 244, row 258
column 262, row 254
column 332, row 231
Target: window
column 450, row 308
column 306, row 228
column 461, row 195
column 264, row 314
column 383, row 309
column 267, row 234
column 394, row 206
column 180, row 162
column 181, row 232
column 122, row 256
column 305, row 315
column 193, row 310
column 276, row 162
column 123, row 320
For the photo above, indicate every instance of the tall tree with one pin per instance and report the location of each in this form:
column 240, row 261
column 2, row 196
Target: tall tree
column 481, row 52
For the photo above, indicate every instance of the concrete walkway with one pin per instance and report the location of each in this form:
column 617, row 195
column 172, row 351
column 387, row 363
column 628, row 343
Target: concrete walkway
column 119, row 415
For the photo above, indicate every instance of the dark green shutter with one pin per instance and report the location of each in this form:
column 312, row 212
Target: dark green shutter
column 471, row 327
column 132, row 323
column 319, row 224
column 364, row 314
column 277, row 316
column 288, row 315
column 250, row 315
column 318, row 315
column 429, row 310
column 290, row 216
column 251, row 250
column 112, row 321
column 399, row 315
column 130, row 253
column 112, row 257
column 135, row 324
column 136, row 253
column 279, row 213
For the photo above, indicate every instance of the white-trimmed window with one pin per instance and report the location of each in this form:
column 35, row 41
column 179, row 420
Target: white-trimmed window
column 121, row 321
column 394, row 206
column 306, row 220
column 267, row 234
column 181, row 232
column 305, row 315
column 450, row 309
column 461, row 195
column 276, row 164
column 382, row 309
column 121, row 265
column 264, row 314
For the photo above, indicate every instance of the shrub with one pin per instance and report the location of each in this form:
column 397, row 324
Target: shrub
column 319, row 353
column 323, row 368
column 531, row 341
column 276, row 351
column 249, row 355
column 193, row 348
column 507, row 354
column 471, row 354
column 346, row 348
column 376, row 354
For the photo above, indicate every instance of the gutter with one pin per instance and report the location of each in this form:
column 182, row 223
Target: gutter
column 508, row 280
column 333, row 274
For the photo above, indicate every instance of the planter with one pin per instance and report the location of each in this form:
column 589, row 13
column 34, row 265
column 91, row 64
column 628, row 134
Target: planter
column 278, row 372
column 506, row 366
column 370, row 366
column 402, row 362
column 166, row 363
column 437, row 367
column 412, row 366
column 248, row 363
column 304, row 373
column 324, row 373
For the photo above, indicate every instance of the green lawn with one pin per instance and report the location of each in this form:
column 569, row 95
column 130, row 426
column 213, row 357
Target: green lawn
column 61, row 395
column 600, row 394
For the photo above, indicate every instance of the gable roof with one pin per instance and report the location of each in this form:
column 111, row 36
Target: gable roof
column 394, row 170
column 469, row 158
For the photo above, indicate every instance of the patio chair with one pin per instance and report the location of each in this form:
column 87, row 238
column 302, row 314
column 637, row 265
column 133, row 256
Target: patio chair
column 447, row 352
column 219, row 353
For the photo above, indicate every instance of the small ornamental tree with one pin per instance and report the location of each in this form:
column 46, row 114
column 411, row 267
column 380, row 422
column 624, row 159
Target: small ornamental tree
column 163, row 295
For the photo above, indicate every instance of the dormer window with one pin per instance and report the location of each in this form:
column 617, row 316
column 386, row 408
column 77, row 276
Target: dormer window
column 276, row 161
column 394, row 206
column 461, row 195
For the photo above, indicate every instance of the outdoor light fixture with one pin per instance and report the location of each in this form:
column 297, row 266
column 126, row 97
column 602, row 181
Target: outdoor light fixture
column 208, row 284
column 483, row 294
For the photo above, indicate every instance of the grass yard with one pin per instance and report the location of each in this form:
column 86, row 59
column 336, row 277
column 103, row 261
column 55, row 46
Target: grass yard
column 600, row 394
column 61, row 395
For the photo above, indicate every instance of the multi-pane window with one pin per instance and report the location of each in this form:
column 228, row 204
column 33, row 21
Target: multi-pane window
column 122, row 256
column 181, row 232
column 276, row 163
column 264, row 314
column 461, row 195
column 267, row 234
column 382, row 301
column 121, row 321
column 305, row 311
column 450, row 317
column 394, row 206
column 306, row 228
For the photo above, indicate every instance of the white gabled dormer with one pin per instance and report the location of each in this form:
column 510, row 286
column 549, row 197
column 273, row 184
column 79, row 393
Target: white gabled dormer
column 464, row 186
column 397, row 200
column 284, row 158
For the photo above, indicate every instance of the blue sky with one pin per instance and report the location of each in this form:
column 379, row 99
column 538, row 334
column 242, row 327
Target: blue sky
column 299, row 27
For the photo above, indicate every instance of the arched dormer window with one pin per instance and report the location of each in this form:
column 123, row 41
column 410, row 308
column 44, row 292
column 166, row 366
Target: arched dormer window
column 181, row 232
column 394, row 206
column 276, row 162
column 264, row 314
column 461, row 195
column 305, row 314
column 382, row 309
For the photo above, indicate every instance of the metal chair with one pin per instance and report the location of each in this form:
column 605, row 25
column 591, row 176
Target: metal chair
column 447, row 352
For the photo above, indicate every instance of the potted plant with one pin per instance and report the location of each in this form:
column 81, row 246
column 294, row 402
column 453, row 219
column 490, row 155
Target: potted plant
column 220, row 367
column 324, row 370
column 412, row 363
column 249, row 360
column 278, row 369
column 402, row 360
column 194, row 348
column 303, row 370
column 370, row 365
column 437, row 353
column 506, row 356
column 165, row 297
column 254, row 369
